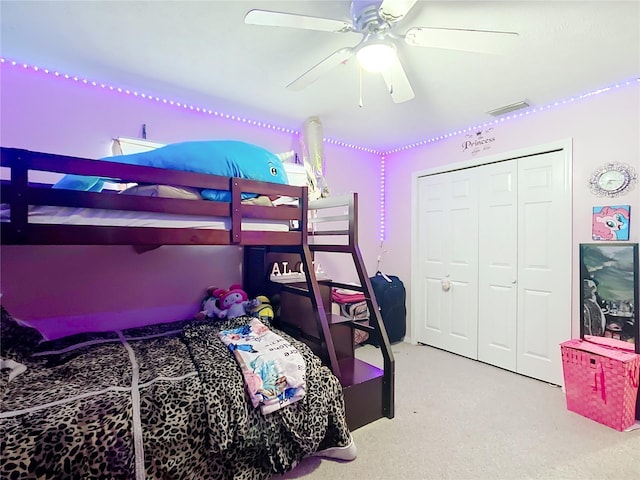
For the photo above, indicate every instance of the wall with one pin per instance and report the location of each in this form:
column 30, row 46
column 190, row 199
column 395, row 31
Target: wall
column 60, row 288
column 602, row 128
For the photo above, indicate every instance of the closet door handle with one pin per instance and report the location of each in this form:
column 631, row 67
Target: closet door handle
column 513, row 282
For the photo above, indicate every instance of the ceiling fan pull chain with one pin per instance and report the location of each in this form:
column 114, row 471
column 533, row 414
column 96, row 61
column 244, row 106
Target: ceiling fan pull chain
column 360, row 102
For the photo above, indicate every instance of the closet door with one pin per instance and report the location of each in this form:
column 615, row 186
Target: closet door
column 498, row 264
column 544, row 265
column 499, row 235
column 448, row 262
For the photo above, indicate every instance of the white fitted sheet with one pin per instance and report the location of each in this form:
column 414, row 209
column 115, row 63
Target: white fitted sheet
column 124, row 218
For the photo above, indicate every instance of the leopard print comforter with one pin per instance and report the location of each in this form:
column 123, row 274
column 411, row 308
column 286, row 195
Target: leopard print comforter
column 166, row 402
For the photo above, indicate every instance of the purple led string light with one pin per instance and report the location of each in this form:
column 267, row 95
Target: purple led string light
column 327, row 140
column 185, row 106
column 296, row 132
column 515, row 116
column 383, row 199
column 137, row 94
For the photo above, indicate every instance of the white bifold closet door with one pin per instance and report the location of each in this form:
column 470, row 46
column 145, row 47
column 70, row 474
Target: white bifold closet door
column 494, row 263
column 498, row 263
column 544, row 265
column 448, row 258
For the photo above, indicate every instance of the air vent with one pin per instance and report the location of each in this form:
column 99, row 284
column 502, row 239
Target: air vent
column 508, row 108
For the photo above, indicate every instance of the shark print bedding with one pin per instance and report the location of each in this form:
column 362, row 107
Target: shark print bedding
column 164, row 401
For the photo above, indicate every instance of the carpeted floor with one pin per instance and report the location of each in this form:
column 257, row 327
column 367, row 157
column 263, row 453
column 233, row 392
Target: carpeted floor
column 458, row 419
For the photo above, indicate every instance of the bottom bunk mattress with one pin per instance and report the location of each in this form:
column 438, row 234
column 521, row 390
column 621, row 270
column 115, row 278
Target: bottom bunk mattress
column 164, row 401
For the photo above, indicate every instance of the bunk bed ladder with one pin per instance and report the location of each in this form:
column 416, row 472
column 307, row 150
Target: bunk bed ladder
column 305, row 307
column 359, row 378
column 321, row 316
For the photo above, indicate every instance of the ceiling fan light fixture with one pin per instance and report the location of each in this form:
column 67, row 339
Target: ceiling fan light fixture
column 376, row 55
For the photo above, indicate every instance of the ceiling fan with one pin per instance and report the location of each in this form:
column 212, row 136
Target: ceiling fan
column 376, row 20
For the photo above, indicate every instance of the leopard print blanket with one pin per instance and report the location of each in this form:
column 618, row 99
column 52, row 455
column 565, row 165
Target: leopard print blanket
column 166, row 401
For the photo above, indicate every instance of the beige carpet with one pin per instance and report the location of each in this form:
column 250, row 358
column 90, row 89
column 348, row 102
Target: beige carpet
column 464, row 420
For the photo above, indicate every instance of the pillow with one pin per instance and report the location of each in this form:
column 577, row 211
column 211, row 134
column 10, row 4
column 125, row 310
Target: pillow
column 227, row 158
column 164, row 191
column 17, row 340
column 262, row 200
column 80, row 182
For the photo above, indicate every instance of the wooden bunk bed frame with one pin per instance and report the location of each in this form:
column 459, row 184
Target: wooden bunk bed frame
column 368, row 390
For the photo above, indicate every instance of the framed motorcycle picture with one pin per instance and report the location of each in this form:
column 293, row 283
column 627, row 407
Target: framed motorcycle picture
column 609, row 291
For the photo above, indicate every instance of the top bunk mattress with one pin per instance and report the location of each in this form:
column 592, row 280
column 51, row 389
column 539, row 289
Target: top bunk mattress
column 123, row 218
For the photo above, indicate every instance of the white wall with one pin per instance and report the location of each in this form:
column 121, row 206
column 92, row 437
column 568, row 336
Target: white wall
column 602, row 128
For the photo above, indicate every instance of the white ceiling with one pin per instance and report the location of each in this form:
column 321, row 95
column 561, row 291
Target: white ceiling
column 203, row 52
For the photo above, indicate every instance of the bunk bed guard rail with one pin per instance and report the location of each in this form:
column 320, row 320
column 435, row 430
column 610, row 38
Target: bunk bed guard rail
column 20, row 194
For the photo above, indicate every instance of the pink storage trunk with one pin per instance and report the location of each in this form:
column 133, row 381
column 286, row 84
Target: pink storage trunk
column 601, row 380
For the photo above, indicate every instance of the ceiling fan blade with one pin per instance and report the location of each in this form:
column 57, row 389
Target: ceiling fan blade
column 482, row 41
column 395, row 10
column 292, row 20
column 398, row 83
column 315, row 72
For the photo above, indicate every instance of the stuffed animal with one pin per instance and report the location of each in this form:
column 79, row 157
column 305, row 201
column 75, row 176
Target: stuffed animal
column 263, row 310
column 230, row 303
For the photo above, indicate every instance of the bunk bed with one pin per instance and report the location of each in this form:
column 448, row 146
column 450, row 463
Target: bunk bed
column 185, row 407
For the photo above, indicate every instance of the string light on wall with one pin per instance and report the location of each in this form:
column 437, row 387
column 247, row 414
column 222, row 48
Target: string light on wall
column 278, row 128
column 269, row 126
column 523, row 113
column 383, row 201
column 352, row 146
column 174, row 103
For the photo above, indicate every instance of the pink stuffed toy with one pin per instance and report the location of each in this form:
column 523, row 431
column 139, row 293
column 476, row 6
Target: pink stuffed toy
column 230, row 303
